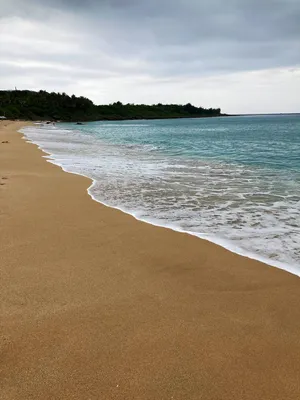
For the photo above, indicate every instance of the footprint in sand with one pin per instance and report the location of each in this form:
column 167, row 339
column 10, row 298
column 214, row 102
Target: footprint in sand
column 5, row 141
column 3, row 178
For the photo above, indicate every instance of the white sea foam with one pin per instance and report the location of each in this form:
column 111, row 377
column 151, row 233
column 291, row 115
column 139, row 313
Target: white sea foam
column 241, row 208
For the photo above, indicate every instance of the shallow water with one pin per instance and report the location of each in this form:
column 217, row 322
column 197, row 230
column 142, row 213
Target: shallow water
column 232, row 180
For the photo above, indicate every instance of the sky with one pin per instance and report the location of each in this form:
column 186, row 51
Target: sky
column 240, row 55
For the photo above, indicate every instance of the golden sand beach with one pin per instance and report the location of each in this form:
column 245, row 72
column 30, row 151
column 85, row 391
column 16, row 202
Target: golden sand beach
column 98, row 305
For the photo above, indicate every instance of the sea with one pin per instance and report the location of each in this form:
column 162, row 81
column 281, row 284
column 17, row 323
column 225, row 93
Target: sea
column 234, row 181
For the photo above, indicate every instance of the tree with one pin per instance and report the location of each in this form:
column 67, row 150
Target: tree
column 42, row 105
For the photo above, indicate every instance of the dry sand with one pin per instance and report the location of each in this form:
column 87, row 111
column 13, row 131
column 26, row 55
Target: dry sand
column 96, row 305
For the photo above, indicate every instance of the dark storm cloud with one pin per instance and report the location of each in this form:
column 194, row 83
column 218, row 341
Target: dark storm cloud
column 170, row 38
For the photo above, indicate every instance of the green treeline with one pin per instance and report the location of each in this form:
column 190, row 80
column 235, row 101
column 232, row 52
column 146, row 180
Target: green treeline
column 30, row 105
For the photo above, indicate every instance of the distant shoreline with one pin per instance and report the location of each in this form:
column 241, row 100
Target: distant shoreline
column 126, row 119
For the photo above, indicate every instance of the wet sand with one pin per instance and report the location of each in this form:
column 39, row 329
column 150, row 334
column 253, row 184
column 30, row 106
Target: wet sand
column 97, row 305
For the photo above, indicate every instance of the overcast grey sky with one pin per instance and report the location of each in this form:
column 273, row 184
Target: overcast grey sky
column 240, row 55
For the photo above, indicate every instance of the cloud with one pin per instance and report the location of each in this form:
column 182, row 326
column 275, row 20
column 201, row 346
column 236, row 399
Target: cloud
column 100, row 47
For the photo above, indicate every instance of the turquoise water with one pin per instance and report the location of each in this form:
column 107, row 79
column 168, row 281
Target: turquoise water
column 231, row 180
column 266, row 141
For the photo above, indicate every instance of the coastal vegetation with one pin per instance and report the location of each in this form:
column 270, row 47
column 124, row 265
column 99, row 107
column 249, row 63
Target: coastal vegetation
column 41, row 105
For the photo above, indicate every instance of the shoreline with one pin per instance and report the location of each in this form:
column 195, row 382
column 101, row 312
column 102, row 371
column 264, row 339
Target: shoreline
column 225, row 244
column 96, row 304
